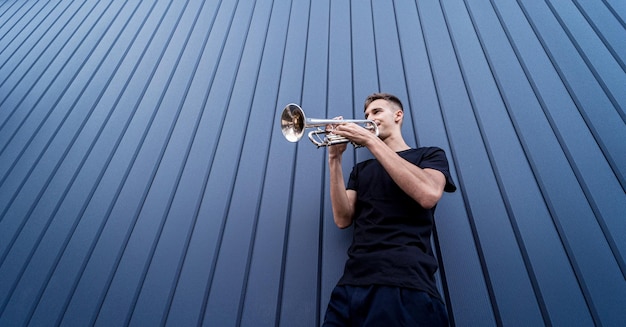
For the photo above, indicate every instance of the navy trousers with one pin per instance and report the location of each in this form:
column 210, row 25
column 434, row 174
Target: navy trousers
column 386, row 306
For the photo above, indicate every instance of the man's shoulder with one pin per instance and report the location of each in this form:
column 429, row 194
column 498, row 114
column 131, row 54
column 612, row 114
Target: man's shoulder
column 366, row 162
column 424, row 151
column 413, row 154
column 428, row 148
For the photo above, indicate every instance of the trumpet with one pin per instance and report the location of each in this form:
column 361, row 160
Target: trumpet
column 293, row 122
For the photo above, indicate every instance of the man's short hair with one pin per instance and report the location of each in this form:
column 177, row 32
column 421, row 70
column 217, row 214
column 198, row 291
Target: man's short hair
column 384, row 96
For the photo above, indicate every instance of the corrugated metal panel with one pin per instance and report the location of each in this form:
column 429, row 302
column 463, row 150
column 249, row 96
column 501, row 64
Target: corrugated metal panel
column 144, row 180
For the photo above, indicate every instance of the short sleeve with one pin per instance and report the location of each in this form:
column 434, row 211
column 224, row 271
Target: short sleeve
column 352, row 180
column 435, row 158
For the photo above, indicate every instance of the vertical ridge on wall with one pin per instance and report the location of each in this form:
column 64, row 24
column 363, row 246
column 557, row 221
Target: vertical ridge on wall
column 559, row 228
column 259, row 306
column 125, row 195
column 141, row 310
column 592, row 118
column 588, row 189
column 448, row 16
column 67, row 193
column 577, row 171
column 489, row 309
column 502, row 87
column 144, row 179
column 49, row 183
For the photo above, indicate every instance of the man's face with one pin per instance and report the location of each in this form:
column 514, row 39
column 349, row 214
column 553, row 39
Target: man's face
column 384, row 114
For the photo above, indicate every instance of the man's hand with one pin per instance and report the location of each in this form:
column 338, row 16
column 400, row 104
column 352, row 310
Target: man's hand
column 355, row 133
column 335, row 151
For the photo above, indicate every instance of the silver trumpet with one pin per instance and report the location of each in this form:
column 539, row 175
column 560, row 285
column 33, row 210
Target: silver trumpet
column 293, row 122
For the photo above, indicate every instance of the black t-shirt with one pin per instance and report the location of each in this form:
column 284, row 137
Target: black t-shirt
column 391, row 241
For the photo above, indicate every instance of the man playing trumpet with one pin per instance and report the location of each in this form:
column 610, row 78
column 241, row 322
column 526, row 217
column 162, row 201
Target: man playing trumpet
column 388, row 278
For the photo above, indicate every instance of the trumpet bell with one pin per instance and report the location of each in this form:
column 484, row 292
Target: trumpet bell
column 292, row 122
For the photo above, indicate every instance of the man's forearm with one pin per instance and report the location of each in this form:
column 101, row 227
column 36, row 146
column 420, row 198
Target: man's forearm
column 425, row 186
column 342, row 205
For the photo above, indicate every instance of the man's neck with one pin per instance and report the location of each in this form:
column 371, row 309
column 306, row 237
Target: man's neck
column 396, row 143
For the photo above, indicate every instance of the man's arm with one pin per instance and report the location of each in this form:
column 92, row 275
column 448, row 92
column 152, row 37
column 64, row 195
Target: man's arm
column 424, row 185
column 343, row 201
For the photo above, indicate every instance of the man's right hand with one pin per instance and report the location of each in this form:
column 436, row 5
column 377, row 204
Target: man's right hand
column 335, row 151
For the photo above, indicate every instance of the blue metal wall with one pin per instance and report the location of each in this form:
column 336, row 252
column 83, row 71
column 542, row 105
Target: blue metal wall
column 144, row 179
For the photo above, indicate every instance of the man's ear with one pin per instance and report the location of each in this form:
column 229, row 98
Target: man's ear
column 398, row 115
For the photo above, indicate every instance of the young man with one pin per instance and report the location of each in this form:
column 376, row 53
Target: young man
column 389, row 276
